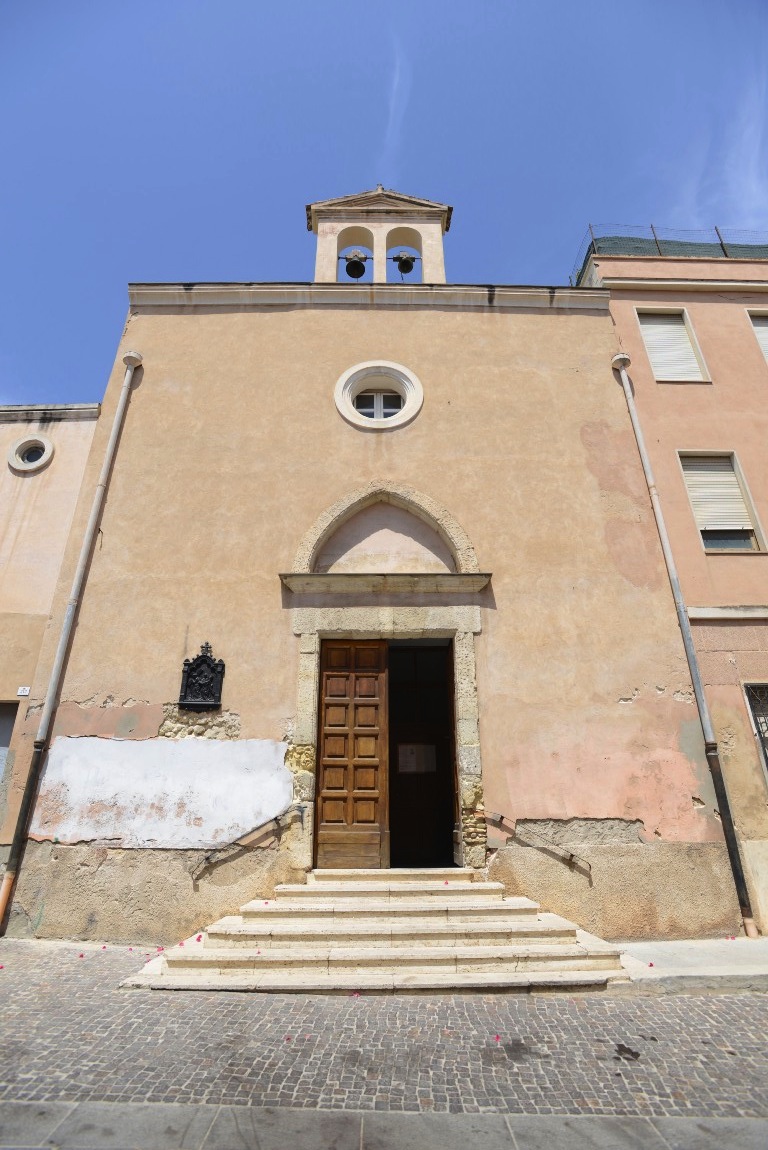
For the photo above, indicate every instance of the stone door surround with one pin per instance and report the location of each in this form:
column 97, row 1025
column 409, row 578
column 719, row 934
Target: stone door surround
column 390, row 621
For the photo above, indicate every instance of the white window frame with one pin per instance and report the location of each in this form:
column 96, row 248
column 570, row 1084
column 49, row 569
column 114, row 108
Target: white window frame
column 16, row 454
column 754, row 313
column 761, row 549
column 378, row 375
column 682, row 313
column 378, row 403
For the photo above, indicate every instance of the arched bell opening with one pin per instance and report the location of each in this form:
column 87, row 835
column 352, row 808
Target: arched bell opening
column 354, row 249
column 404, row 250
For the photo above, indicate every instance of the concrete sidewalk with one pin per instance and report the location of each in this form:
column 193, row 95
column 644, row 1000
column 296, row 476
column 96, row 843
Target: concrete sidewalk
column 159, row 1126
column 688, row 966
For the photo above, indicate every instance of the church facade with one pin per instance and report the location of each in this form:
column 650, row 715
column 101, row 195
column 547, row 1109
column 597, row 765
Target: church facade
column 376, row 583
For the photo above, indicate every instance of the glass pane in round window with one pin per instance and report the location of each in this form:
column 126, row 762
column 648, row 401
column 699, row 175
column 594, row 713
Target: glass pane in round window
column 378, row 404
column 365, row 403
column 391, row 403
column 33, row 453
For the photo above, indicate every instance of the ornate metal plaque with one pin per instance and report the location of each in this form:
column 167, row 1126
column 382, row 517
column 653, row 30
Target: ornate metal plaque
column 201, row 681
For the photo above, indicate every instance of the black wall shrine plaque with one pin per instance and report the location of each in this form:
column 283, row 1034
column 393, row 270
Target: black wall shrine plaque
column 201, row 681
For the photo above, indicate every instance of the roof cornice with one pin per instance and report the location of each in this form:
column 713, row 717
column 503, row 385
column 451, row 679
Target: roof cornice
column 617, row 283
column 48, row 412
column 467, row 297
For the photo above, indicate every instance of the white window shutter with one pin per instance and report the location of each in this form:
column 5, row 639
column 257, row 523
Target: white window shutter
column 716, row 497
column 669, row 346
column 760, row 324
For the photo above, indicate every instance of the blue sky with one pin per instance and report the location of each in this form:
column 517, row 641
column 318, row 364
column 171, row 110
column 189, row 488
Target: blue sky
column 180, row 140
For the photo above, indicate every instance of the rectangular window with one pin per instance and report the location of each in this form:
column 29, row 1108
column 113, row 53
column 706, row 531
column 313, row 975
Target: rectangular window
column 757, row 698
column 718, row 503
column 7, row 719
column 670, row 347
column 760, row 324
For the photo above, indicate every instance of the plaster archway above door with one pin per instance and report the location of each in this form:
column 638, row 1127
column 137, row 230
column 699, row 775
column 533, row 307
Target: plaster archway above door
column 401, row 495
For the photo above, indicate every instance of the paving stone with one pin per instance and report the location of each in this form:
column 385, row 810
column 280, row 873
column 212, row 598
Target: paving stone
column 30, row 1123
column 249, row 1128
column 584, row 1133
column 713, row 1133
column 133, row 1126
column 435, row 1132
column 69, row 1034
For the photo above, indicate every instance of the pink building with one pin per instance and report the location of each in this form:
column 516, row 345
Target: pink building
column 692, row 318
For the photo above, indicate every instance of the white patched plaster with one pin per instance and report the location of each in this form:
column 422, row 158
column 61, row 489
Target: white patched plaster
column 187, row 794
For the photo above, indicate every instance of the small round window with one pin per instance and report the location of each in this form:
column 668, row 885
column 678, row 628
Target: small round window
column 30, row 454
column 378, row 395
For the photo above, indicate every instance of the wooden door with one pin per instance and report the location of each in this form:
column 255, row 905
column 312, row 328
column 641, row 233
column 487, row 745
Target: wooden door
column 352, row 814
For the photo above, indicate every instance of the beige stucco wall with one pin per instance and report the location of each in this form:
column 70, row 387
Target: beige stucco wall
column 232, row 449
column 36, row 512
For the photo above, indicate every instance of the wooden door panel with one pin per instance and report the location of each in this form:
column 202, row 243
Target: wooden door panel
column 352, row 828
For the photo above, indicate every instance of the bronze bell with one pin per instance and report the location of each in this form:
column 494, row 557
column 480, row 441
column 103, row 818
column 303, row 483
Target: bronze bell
column 356, row 264
column 405, row 262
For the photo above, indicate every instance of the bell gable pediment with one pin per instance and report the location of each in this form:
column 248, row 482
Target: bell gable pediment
column 379, row 199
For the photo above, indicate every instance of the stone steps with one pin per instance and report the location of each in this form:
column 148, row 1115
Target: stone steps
column 401, row 874
column 387, row 931
column 376, row 909
column 391, row 891
column 234, row 931
column 277, row 982
column 389, row 960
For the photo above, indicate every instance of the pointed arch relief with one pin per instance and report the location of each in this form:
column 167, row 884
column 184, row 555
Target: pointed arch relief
column 386, row 538
column 444, row 546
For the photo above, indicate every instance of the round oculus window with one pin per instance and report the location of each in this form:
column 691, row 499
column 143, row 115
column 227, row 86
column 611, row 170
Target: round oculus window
column 378, row 395
column 30, row 454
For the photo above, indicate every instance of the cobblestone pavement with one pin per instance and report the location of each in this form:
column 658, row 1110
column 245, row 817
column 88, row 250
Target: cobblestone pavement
column 69, row 1034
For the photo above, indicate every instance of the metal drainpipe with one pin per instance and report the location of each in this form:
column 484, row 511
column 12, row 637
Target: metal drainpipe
column 131, row 359
column 620, row 363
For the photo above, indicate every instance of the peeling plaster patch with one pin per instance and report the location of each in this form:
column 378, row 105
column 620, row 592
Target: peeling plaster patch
column 697, row 802
column 129, row 720
column 630, row 698
column 569, row 831
column 180, row 724
column 184, row 794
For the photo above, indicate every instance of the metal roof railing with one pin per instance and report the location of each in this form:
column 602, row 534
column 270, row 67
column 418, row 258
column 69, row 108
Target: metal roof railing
column 639, row 240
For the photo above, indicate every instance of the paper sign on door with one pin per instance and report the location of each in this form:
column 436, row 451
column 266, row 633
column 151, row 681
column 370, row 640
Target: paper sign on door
column 416, row 759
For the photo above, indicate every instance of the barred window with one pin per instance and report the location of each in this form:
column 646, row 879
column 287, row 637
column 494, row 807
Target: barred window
column 757, row 698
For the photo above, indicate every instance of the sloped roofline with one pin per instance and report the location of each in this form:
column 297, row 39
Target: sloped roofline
column 370, row 200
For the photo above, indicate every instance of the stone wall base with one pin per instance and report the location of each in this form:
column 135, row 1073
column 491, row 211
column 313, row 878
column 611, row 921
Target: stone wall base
column 140, row 896
column 637, row 890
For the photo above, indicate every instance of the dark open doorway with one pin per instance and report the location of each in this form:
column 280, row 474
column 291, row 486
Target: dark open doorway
column 421, row 767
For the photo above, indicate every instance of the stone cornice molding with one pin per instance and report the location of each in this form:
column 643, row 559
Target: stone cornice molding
column 387, row 583
column 466, row 297
column 616, row 283
column 56, row 412
column 703, row 614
